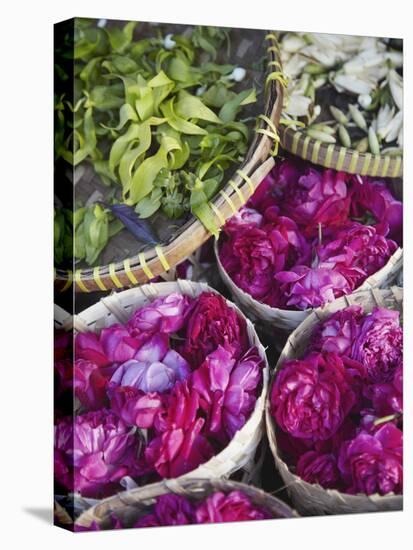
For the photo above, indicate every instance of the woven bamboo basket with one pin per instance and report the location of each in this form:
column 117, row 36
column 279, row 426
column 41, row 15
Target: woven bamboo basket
column 119, row 307
column 132, row 505
column 340, row 158
column 288, row 320
column 312, row 499
column 143, row 264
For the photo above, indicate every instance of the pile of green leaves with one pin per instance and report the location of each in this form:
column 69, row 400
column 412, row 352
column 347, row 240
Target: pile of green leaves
column 158, row 120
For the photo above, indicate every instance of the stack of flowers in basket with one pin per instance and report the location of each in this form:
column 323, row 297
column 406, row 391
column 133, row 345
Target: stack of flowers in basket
column 156, row 397
column 309, row 235
column 338, row 410
column 171, row 509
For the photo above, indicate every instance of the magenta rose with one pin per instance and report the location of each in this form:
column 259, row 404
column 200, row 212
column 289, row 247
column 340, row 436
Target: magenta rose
column 154, row 368
column 387, row 397
column 373, row 462
column 234, row 506
column 90, row 382
column 379, row 345
column 338, row 332
column 178, row 451
column 306, row 287
column 212, row 323
column 227, row 390
column 356, row 251
column 118, row 345
column 135, row 407
column 374, row 196
column 245, row 219
column 166, row 315
column 169, row 510
column 315, row 467
column 249, row 258
column 311, row 397
column 93, row 452
column 264, row 196
column 312, row 197
column 89, row 347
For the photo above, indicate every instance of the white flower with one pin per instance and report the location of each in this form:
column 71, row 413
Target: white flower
column 396, row 88
column 297, row 104
column 168, row 43
column 364, row 100
column 395, row 128
column 237, row 74
column 384, row 118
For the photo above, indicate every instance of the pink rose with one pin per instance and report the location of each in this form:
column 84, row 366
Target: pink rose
column 338, row 332
column 369, row 195
column 169, row 510
column 373, row 462
column 234, row 506
column 166, row 315
column 118, row 345
column 154, row 368
column 212, row 323
column 307, row 287
column 135, row 407
column 356, row 251
column 311, row 196
column 379, row 345
column 88, row 347
column 93, row 452
column 311, row 397
column 228, row 390
column 314, row 467
column 90, row 382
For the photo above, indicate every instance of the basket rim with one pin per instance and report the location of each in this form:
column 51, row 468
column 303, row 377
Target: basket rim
column 146, row 265
column 270, row 423
column 338, row 157
column 149, row 292
column 184, row 486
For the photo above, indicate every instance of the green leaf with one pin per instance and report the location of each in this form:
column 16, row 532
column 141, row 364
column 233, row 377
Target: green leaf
column 178, row 123
column 129, row 158
column 120, row 145
column 229, row 111
column 205, row 215
column 120, row 39
column 190, row 106
column 149, row 205
column 144, row 176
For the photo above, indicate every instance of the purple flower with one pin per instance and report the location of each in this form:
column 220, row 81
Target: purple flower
column 213, row 323
column 93, row 452
column 135, row 407
column 90, row 382
column 88, row 347
column 169, row 510
column 375, row 197
column 118, row 344
column 178, row 451
column 155, row 368
column 338, row 332
column 166, row 315
column 356, row 251
column 311, row 397
column 373, row 462
column 320, row 468
column 379, row 345
column 311, row 196
column 228, row 390
column 234, row 506
column 307, row 287
column 246, row 218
